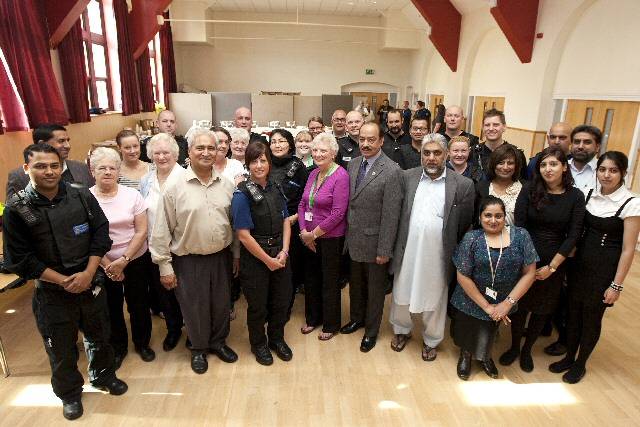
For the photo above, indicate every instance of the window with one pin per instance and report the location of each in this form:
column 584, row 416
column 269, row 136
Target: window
column 96, row 57
column 156, row 69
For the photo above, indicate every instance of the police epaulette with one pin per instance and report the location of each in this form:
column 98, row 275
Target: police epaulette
column 254, row 191
column 293, row 168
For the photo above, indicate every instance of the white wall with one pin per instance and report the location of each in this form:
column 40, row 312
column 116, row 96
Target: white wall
column 315, row 66
column 601, row 55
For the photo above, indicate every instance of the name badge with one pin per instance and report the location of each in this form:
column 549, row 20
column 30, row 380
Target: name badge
column 80, row 229
column 346, row 159
column 491, row 293
column 308, row 216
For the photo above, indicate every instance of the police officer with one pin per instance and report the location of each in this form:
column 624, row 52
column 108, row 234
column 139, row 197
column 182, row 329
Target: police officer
column 348, row 144
column 56, row 233
column 261, row 224
column 290, row 173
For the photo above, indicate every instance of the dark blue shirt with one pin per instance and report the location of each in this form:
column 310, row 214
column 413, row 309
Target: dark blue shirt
column 241, row 210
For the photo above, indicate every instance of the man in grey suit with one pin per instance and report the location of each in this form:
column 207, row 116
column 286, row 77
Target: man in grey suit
column 436, row 213
column 374, row 210
column 56, row 136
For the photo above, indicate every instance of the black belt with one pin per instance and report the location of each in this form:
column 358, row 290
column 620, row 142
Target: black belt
column 269, row 241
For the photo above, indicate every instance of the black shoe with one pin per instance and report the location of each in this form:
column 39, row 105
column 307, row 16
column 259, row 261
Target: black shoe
column 225, row 354
column 526, row 361
column 555, row 349
column 574, row 375
column 199, row 363
column 351, row 327
column 146, row 353
column 72, row 410
column 508, row 357
column 171, row 340
column 263, row 355
column 489, row 368
column 117, row 360
column 367, row 344
column 464, row 365
column 561, row 365
column 282, row 350
column 115, row 387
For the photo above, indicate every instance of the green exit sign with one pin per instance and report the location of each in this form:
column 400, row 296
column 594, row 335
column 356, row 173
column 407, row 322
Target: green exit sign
column 369, row 71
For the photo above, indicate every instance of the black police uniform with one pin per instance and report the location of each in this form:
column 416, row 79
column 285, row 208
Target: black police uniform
column 481, row 154
column 392, row 144
column 348, row 148
column 291, row 175
column 61, row 234
column 268, row 293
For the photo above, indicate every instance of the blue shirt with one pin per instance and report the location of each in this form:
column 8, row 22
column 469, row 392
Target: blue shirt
column 241, row 209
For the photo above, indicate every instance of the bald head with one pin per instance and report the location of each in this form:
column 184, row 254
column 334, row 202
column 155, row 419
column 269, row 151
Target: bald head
column 166, row 122
column 243, row 119
column 355, row 120
column 453, row 117
column 560, row 136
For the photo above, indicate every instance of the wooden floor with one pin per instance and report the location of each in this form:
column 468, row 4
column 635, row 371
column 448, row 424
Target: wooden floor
column 331, row 383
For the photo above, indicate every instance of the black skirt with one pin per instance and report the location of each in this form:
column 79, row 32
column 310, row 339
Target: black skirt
column 474, row 335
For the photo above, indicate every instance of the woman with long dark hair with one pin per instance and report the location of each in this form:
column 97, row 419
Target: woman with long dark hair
column 552, row 211
column 603, row 258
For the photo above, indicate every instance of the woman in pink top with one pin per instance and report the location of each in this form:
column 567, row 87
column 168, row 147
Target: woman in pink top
column 127, row 264
column 322, row 218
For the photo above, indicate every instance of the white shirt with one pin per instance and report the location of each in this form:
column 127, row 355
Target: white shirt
column 155, row 192
column 604, row 206
column 232, row 169
column 584, row 179
column 420, row 282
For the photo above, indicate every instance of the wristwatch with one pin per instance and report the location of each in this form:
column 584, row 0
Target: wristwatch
column 511, row 300
column 552, row 268
column 126, row 258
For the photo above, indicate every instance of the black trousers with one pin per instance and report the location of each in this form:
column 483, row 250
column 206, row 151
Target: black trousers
column 59, row 316
column 268, row 294
column 135, row 290
column 322, row 291
column 168, row 303
column 367, row 287
column 584, row 324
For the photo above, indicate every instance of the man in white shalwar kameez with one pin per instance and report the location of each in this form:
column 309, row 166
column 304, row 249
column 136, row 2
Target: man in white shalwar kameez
column 422, row 272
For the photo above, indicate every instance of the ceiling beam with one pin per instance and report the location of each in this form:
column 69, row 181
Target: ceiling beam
column 517, row 19
column 61, row 15
column 143, row 22
column 445, row 22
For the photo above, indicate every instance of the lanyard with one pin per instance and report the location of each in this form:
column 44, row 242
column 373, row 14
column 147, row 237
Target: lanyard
column 494, row 271
column 312, row 194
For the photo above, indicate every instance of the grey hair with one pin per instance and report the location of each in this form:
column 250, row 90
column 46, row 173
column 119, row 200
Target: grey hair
column 239, row 134
column 102, row 153
column 327, row 138
column 197, row 133
column 435, row 137
column 162, row 137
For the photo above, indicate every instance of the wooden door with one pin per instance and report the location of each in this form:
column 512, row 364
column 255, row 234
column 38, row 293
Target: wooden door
column 374, row 100
column 433, row 101
column 480, row 105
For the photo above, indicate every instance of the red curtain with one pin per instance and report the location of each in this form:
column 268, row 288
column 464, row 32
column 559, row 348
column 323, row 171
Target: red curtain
column 74, row 74
column 128, row 81
column 24, row 41
column 11, row 110
column 145, row 84
column 168, row 61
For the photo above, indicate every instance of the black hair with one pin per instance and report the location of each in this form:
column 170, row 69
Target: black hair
column 288, row 136
column 44, row 132
column 592, row 130
column 254, row 150
column 380, row 131
column 394, row 111
column 39, row 148
column 538, row 193
column 499, row 154
column 490, row 201
column 620, row 159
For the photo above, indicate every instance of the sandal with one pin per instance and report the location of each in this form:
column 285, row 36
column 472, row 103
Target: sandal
column 306, row 329
column 325, row 336
column 399, row 341
column 429, row 354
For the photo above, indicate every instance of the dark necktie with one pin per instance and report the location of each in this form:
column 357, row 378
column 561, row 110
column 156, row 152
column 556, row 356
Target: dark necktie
column 361, row 173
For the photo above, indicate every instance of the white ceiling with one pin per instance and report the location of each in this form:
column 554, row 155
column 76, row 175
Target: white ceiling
column 329, row 7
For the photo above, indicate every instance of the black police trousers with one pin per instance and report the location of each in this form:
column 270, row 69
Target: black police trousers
column 59, row 317
column 268, row 295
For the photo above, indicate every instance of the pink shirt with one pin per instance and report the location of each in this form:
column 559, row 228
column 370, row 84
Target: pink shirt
column 121, row 211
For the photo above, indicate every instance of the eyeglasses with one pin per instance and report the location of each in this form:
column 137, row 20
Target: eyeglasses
column 279, row 141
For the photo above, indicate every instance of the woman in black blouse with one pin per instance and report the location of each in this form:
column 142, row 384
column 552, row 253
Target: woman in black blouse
column 552, row 211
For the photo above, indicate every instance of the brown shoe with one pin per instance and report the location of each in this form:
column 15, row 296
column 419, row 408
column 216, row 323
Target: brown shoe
column 429, row 354
column 399, row 341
